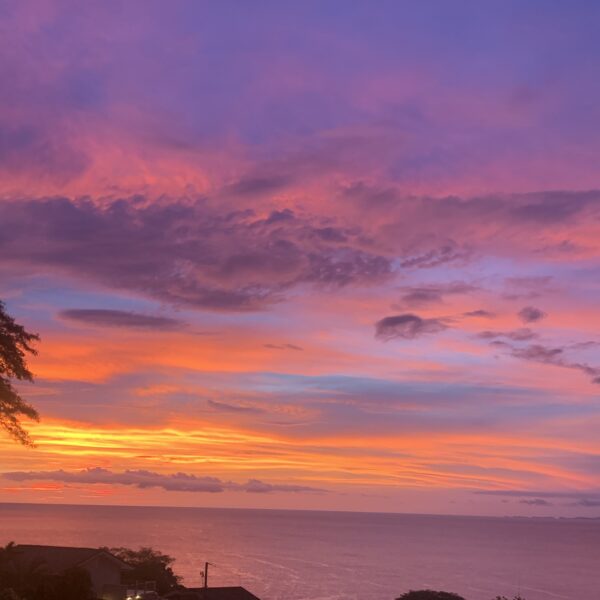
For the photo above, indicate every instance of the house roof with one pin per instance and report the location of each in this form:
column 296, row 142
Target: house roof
column 212, row 593
column 59, row 558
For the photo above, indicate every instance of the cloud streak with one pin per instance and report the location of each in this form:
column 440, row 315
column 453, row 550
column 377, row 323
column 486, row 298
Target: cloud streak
column 143, row 479
column 118, row 318
column 554, row 356
column 433, row 294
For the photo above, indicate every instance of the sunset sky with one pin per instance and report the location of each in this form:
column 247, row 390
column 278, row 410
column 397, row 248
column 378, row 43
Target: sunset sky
column 331, row 255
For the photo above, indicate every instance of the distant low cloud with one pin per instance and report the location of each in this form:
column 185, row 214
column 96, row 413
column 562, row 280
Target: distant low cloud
column 530, row 314
column 176, row 482
column 536, row 502
column 539, row 494
column 119, row 318
column 588, row 503
column 407, row 326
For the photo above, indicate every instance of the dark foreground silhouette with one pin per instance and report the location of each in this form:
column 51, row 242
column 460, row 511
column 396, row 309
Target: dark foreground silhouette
column 65, row 573
column 438, row 595
column 429, row 595
column 15, row 343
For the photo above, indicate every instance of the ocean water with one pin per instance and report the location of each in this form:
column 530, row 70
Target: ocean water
column 298, row 555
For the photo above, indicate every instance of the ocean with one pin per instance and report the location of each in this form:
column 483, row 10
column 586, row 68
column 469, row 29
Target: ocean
column 306, row 555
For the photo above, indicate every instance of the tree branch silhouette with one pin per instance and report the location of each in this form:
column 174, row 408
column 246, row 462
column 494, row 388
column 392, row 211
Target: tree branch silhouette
column 15, row 343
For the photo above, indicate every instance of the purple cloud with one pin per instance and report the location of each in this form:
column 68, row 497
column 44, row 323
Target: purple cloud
column 517, row 335
column 431, row 294
column 233, row 408
column 185, row 252
column 554, row 356
column 536, row 502
column 530, row 314
column 539, row 494
column 407, row 326
column 175, row 482
column 118, row 318
column 480, row 313
column 283, row 347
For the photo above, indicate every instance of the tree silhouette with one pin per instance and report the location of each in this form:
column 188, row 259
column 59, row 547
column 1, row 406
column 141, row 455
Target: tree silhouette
column 22, row 577
column 429, row 595
column 148, row 565
column 31, row 580
column 15, row 343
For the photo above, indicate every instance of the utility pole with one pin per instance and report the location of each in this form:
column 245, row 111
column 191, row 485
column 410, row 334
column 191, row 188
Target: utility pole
column 205, row 573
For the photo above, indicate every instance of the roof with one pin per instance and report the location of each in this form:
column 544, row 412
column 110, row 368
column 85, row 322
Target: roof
column 60, row 558
column 212, row 593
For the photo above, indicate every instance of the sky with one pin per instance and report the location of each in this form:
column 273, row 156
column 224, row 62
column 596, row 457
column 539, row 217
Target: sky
column 318, row 255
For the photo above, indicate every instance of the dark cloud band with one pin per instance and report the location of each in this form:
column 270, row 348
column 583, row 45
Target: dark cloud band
column 176, row 482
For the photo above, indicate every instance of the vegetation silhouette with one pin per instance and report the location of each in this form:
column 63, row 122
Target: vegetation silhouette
column 15, row 343
column 429, row 595
column 148, row 565
column 435, row 595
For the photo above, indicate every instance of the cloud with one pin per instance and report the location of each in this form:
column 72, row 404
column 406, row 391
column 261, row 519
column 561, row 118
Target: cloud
column 536, row 502
column 553, row 207
column 255, row 486
column 407, row 326
column 449, row 252
column 429, row 294
column 485, row 314
column 240, row 254
column 118, row 318
column 554, row 356
column 251, row 186
column 587, row 503
column 540, row 494
column 517, row 335
column 530, row 314
column 186, row 252
column 233, row 408
column 175, row 482
column 282, row 346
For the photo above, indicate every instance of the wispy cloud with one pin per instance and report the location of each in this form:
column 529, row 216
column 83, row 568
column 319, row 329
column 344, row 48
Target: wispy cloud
column 282, row 346
column 555, row 356
column 516, row 335
column 432, row 294
column 233, row 408
column 118, row 318
column 540, row 494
